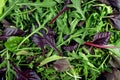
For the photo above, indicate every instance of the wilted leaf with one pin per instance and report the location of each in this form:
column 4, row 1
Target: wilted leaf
column 50, row 59
column 61, row 65
column 101, row 38
column 25, row 75
column 115, row 20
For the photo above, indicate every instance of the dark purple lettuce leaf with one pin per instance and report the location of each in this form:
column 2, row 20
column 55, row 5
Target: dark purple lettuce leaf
column 46, row 39
column 25, row 75
column 72, row 46
column 115, row 20
column 101, row 38
column 61, row 65
column 11, row 31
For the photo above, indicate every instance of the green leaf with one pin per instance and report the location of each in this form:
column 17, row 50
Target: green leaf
column 45, row 3
column 12, row 43
column 2, row 4
column 115, row 51
column 50, row 59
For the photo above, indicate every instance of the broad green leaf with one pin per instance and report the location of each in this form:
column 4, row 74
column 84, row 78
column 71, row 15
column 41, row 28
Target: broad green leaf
column 12, row 43
column 50, row 59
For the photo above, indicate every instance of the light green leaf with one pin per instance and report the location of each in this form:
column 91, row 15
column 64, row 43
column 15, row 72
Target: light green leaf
column 2, row 4
column 50, row 59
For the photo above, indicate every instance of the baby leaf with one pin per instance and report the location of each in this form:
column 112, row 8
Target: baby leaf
column 101, row 38
column 72, row 46
column 11, row 31
column 25, row 75
column 46, row 39
column 50, row 59
column 61, row 65
column 115, row 20
column 12, row 43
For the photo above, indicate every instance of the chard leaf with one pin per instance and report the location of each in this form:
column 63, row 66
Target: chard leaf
column 50, row 59
column 25, row 75
column 61, row 65
column 101, row 38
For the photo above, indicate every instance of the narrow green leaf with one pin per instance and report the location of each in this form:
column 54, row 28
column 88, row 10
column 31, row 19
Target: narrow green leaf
column 50, row 59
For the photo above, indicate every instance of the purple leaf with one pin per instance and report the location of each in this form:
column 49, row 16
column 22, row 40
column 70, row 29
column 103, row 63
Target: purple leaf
column 72, row 46
column 25, row 75
column 11, row 31
column 61, row 65
column 115, row 20
column 101, row 38
column 113, row 3
column 46, row 39
column 113, row 75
